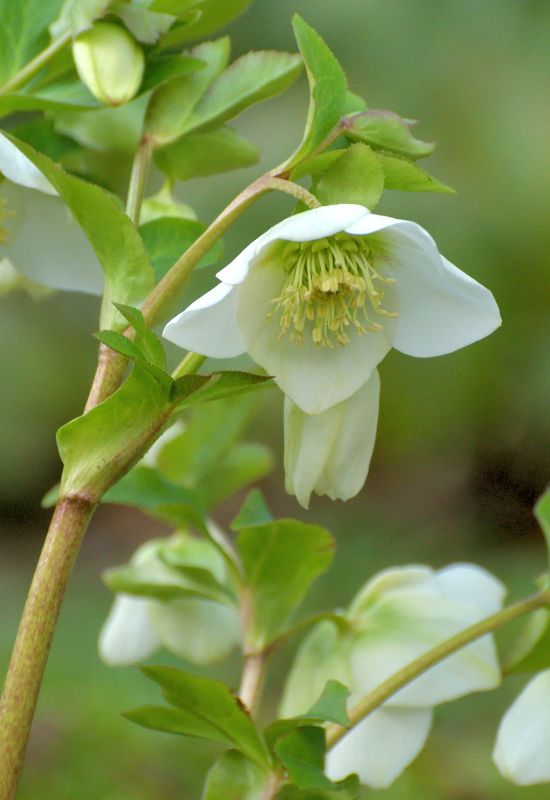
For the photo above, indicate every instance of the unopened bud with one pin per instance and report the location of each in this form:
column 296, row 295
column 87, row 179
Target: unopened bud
column 110, row 62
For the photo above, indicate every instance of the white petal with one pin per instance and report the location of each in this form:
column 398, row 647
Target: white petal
column 199, row 631
column 468, row 583
column 315, row 378
column 46, row 245
column 17, row 168
column 330, row 453
column 441, row 309
column 523, row 739
column 402, row 624
column 317, row 223
column 127, row 635
column 380, row 747
column 209, row 325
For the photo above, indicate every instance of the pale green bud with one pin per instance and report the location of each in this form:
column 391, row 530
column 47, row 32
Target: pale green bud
column 110, row 62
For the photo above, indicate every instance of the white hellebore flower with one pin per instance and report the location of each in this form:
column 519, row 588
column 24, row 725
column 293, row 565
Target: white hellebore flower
column 399, row 615
column 523, row 739
column 38, row 237
column 330, row 453
column 319, row 299
column 199, row 630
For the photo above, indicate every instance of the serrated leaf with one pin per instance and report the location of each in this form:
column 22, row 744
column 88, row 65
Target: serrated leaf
column 209, row 153
column 167, row 238
column 107, row 130
column 203, row 708
column 145, row 25
column 119, row 248
column 66, row 96
column 41, row 134
column 348, row 789
column 327, row 86
column 253, row 512
column 77, row 15
column 246, row 463
column 402, row 174
column 316, row 165
column 213, row 16
column 280, row 559
column 161, row 69
column 250, row 79
column 302, row 751
column 23, row 32
column 148, row 343
column 117, row 341
column 356, row 177
column 385, row 130
column 172, row 103
column 234, row 777
column 226, row 384
column 146, row 488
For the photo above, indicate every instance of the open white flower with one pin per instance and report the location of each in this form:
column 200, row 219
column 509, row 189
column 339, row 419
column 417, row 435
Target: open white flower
column 37, row 234
column 165, row 613
column 330, row 453
column 320, row 298
column 523, row 739
column 399, row 615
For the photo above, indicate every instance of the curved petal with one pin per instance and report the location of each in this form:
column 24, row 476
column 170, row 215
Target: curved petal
column 127, row 635
column 209, row 325
column 470, row 584
column 46, row 245
column 315, row 378
column 200, row 631
column 441, row 309
column 305, row 227
column 17, row 168
column 380, row 747
column 523, row 738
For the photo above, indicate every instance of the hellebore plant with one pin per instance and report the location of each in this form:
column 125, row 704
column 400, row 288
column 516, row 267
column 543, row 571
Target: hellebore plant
column 316, row 302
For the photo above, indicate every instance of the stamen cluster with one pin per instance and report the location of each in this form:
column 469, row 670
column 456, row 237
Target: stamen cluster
column 332, row 290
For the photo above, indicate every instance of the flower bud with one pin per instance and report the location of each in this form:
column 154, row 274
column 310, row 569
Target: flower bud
column 110, row 62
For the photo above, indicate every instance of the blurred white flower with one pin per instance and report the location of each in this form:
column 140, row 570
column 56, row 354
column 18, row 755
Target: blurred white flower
column 330, row 453
column 523, row 739
column 399, row 615
column 37, row 234
column 320, row 298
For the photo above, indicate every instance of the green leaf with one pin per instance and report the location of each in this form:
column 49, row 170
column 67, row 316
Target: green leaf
column 226, row 384
column 400, row 173
column 332, row 705
column 77, row 15
column 92, row 446
column 384, row 130
column 246, row 463
column 280, row 559
column 353, row 103
column 200, row 154
column 531, row 650
column 161, row 69
column 146, row 488
column 148, row 343
column 23, row 32
column 172, row 103
column 202, row 708
column 117, row 341
column 347, row 789
column 106, row 130
column 253, row 512
column 117, row 244
column 327, row 86
column 542, row 513
column 167, row 238
column 302, row 751
column 316, row 165
column 234, row 777
column 41, row 134
column 356, row 177
column 213, row 16
column 145, row 25
column 250, row 79
column 69, row 96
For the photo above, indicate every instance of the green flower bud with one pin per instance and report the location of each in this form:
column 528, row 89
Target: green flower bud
column 110, row 62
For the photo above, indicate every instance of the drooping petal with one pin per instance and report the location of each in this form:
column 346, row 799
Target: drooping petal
column 403, row 623
column 17, row 168
column 381, row 746
column 127, row 635
column 45, row 244
column 523, row 739
column 200, row 631
column 317, row 223
column 468, row 583
column 209, row 325
column 315, row 378
column 330, row 453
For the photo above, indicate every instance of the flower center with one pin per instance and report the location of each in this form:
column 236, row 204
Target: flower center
column 332, row 288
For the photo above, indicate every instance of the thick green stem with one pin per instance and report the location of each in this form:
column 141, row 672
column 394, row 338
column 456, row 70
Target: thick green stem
column 35, row 635
column 138, row 180
column 389, row 687
column 29, row 70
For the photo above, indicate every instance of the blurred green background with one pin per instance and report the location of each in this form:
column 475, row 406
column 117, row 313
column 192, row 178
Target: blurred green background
column 463, row 442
